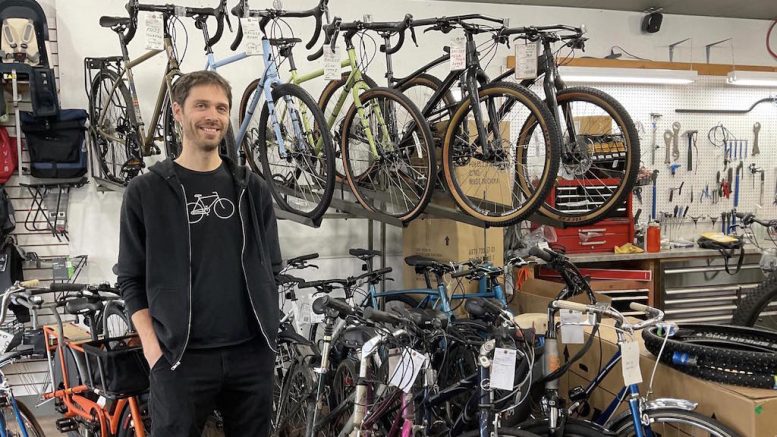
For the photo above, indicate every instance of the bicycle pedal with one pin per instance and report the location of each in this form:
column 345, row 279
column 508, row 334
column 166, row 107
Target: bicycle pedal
column 66, row 425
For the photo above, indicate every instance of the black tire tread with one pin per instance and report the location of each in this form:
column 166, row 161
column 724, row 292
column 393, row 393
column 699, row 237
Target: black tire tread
column 749, row 308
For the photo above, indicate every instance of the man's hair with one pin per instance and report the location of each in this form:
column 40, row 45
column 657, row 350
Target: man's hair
column 184, row 84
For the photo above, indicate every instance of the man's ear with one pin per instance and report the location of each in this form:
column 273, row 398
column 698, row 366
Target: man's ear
column 177, row 112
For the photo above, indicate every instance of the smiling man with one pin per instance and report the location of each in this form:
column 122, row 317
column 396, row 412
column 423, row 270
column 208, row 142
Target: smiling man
column 198, row 256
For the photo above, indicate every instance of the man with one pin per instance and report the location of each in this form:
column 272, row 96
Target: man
column 198, row 256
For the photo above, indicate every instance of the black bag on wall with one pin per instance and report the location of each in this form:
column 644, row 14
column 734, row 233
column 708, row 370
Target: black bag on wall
column 57, row 145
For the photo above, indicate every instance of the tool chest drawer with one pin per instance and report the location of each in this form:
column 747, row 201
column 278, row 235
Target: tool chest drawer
column 602, row 236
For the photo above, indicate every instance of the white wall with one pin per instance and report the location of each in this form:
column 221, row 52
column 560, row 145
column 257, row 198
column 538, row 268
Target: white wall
column 94, row 216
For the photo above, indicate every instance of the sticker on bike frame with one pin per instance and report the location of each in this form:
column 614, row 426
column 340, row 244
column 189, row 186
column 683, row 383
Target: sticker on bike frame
column 526, row 60
column 404, row 367
column 331, row 63
column 630, row 363
column 503, row 369
column 252, row 36
column 571, row 327
column 155, row 35
column 458, row 60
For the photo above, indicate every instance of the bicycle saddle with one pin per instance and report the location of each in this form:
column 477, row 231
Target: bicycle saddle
column 356, row 336
column 364, row 254
column 106, row 21
column 82, row 306
column 283, row 42
column 422, row 263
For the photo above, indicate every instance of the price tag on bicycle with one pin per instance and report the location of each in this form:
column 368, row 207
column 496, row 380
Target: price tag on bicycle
column 331, row 63
column 404, row 367
column 180, row 11
column 630, row 362
column 526, row 60
column 155, row 35
column 252, row 35
column 503, row 369
column 571, row 326
column 458, row 59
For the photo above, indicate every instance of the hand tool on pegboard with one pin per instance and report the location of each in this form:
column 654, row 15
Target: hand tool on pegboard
column 654, row 178
column 705, row 194
column 756, row 129
column 654, row 121
column 695, row 219
column 692, row 137
column 675, row 141
column 668, row 137
column 736, row 192
column 678, row 189
column 673, row 168
column 774, row 202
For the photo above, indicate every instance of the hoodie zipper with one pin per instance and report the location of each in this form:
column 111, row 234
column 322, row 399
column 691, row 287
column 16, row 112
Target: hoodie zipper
column 189, row 239
column 242, row 264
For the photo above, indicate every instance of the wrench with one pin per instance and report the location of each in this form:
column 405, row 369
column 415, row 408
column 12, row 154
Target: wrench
column 675, row 140
column 668, row 137
column 654, row 119
column 756, row 129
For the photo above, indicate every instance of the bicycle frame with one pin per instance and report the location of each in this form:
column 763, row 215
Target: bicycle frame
column 7, row 391
column 146, row 137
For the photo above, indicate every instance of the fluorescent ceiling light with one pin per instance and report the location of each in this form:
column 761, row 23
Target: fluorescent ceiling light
column 752, row 78
column 627, row 75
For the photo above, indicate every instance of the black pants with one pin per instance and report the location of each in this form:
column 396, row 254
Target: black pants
column 236, row 380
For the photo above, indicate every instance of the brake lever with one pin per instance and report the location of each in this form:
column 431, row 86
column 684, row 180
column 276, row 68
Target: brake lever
column 229, row 23
column 412, row 36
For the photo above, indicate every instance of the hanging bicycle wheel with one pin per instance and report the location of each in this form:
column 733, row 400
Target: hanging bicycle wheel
column 332, row 102
column 506, row 177
column 599, row 162
column 673, row 422
column 113, row 130
column 388, row 154
column 759, row 307
column 296, row 155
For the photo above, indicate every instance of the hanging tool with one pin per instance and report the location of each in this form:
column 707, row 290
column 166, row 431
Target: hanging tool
column 692, row 136
column 695, row 219
column 638, row 194
column 756, row 129
column 654, row 120
column 705, row 193
column 713, row 220
column 675, row 141
column 774, row 202
column 691, row 193
column 736, row 184
column 654, row 178
column 637, row 214
column 668, row 136
column 673, row 168
column 753, row 170
column 726, row 151
column 761, row 194
column 678, row 189
column 727, row 111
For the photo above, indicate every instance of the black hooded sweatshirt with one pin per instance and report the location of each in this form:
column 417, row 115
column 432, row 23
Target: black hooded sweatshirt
column 154, row 269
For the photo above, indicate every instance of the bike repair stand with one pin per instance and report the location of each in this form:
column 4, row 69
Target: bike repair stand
column 48, row 209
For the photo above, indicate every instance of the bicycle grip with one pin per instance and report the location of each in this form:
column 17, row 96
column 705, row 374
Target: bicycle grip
column 572, row 306
column 68, row 287
column 322, row 303
column 395, row 48
column 540, row 253
column 238, row 37
column 313, row 284
column 32, row 283
column 303, row 258
column 219, row 30
column 316, row 33
column 381, row 316
column 383, row 271
column 461, row 273
column 639, row 307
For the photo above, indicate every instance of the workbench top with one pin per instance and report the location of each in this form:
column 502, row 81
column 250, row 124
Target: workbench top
column 692, row 252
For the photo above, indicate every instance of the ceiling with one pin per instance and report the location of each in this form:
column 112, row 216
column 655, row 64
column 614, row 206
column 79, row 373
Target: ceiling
column 755, row 9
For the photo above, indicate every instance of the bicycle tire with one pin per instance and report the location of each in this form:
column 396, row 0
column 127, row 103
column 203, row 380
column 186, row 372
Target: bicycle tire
column 412, row 154
column 724, row 376
column 116, row 329
column 322, row 161
column 509, row 432
column 31, row 424
column 247, row 150
column 459, row 152
column 621, row 117
column 298, row 381
column 127, row 427
column 749, row 310
column 127, row 150
column 623, row 425
column 731, row 347
column 332, row 89
column 572, row 428
column 171, row 133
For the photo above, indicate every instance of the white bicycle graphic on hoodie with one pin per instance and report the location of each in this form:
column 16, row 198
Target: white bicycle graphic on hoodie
column 204, row 205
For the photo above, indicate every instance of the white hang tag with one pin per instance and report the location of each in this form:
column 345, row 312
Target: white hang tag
column 5, row 340
column 526, row 60
column 307, row 306
column 404, row 367
column 630, row 363
column 503, row 369
column 331, row 63
column 417, row 142
column 180, row 11
column 458, row 59
column 252, row 35
column 571, row 328
column 155, row 35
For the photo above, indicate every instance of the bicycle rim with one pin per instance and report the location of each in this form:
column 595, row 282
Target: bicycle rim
column 115, row 138
column 508, row 182
column 301, row 173
column 671, row 423
column 28, row 420
column 387, row 154
column 599, row 164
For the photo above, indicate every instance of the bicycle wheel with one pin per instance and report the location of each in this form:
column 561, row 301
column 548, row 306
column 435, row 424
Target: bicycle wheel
column 296, row 402
column 420, row 90
column 31, row 424
column 330, row 99
column 572, row 428
column 598, row 167
column 127, row 425
column 114, row 136
column 114, row 322
column 388, row 154
column 301, row 175
column 673, row 422
column 510, row 432
column 509, row 182
column 754, row 309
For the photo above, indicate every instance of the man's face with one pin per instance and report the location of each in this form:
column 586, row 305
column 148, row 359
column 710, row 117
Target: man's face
column 204, row 116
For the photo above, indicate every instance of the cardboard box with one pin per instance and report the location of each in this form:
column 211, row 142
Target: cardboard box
column 447, row 240
column 750, row 412
column 593, row 124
